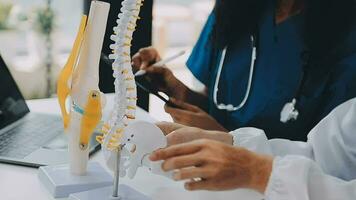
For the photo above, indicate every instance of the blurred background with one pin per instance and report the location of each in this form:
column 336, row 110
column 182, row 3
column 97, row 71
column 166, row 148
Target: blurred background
column 36, row 37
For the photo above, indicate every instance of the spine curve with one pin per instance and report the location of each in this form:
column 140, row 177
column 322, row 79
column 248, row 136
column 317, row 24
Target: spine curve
column 125, row 87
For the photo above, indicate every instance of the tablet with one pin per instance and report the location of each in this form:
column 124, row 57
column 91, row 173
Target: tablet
column 144, row 83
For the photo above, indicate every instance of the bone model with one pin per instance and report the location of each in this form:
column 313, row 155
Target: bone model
column 122, row 141
column 125, row 87
column 78, row 85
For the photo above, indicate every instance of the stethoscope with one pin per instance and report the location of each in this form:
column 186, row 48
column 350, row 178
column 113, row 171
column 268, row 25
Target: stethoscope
column 289, row 111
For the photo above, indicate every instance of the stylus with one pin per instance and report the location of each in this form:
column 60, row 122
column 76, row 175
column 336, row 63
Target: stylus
column 161, row 63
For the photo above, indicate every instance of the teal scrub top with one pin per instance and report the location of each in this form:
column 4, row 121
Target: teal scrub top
column 278, row 72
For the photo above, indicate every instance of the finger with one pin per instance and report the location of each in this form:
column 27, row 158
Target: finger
column 176, row 150
column 156, row 70
column 177, row 119
column 191, row 173
column 173, row 138
column 136, row 61
column 184, row 105
column 180, row 162
column 149, row 51
column 185, row 118
column 204, row 184
column 181, row 118
column 148, row 56
column 177, row 112
column 180, row 136
column 168, row 127
column 143, row 55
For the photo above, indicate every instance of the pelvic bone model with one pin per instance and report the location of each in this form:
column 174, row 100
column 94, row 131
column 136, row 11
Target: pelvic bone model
column 78, row 85
column 132, row 141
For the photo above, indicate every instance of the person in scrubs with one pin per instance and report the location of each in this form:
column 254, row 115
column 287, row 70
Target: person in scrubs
column 279, row 65
column 324, row 167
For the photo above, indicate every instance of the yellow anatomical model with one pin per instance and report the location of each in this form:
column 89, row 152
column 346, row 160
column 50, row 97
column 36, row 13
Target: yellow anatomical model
column 91, row 117
column 64, row 80
column 79, row 83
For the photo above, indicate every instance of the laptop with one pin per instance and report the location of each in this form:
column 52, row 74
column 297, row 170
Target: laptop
column 28, row 138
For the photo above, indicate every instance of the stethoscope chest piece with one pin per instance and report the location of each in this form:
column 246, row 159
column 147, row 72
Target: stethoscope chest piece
column 289, row 112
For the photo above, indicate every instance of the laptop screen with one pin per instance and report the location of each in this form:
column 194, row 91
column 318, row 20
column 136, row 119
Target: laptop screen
column 12, row 104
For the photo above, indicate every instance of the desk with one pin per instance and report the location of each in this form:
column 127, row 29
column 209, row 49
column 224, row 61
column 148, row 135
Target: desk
column 21, row 183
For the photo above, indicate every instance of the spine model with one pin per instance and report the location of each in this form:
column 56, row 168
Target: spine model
column 125, row 87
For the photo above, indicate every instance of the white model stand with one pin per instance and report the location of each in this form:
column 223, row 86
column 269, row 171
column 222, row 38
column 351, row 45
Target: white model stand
column 126, row 193
column 79, row 81
column 61, row 183
column 145, row 137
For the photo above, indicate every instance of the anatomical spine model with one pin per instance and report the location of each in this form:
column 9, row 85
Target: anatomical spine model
column 122, row 141
column 78, row 93
column 125, row 87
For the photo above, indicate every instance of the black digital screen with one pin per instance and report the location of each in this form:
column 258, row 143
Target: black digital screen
column 12, row 103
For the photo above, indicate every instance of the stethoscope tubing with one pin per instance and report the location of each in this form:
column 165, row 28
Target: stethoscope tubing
column 288, row 113
column 230, row 107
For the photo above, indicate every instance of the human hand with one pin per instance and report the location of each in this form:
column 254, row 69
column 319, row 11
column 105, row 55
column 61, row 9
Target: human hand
column 168, row 127
column 161, row 77
column 144, row 58
column 177, row 134
column 190, row 115
column 212, row 165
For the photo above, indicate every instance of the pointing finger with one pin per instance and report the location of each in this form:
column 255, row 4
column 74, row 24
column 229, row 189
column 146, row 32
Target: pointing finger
column 176, row 150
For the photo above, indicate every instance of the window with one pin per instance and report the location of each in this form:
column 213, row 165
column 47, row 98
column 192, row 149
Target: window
column 23, row 46
column 176, row 26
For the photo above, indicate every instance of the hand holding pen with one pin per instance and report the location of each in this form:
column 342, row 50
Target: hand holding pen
column 160, row 63
column 161, row 77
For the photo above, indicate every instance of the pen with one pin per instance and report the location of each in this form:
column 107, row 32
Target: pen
column 161, row 63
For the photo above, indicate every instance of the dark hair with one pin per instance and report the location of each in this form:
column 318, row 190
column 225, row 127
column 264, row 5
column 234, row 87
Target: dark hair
column 234, row 19
column 327, row 22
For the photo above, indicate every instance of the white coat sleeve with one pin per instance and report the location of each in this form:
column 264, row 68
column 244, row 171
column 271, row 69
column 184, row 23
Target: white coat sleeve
column 322, row 168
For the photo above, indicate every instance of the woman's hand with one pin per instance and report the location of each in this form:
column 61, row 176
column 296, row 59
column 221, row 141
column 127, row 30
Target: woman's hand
column 144, row 58
column 177, row 134
column 212, row 165
column 161, row 77
column 191, row 115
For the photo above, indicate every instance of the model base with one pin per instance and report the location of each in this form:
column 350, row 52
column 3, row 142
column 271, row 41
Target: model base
column 125, row 193
column 61, row 183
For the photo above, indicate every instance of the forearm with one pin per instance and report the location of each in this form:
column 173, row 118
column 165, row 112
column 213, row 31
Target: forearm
column 180, row 91
column 199, row 99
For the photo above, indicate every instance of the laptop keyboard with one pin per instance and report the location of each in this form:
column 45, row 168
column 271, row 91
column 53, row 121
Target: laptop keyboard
column 35, row 131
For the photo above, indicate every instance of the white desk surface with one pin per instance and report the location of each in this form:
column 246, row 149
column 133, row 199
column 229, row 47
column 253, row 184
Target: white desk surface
column 21, row 183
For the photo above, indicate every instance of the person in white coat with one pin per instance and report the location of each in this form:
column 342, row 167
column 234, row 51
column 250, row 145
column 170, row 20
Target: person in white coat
column 322, row 168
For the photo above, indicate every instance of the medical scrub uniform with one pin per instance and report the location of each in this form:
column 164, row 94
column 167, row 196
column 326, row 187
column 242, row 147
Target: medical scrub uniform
column 278, row 73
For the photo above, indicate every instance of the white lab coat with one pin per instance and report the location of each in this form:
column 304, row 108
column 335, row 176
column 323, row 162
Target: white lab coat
column 324, row 168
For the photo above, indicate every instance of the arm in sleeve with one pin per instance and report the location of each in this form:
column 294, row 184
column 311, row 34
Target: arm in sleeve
column 323, row 168
column 331, row 144
column 255, row 140
column 299, row 178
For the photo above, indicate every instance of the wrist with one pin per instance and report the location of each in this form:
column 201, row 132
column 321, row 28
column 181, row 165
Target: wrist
column 186, row 93
column 221, row 137
column 178, row 90
column 261, row 173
